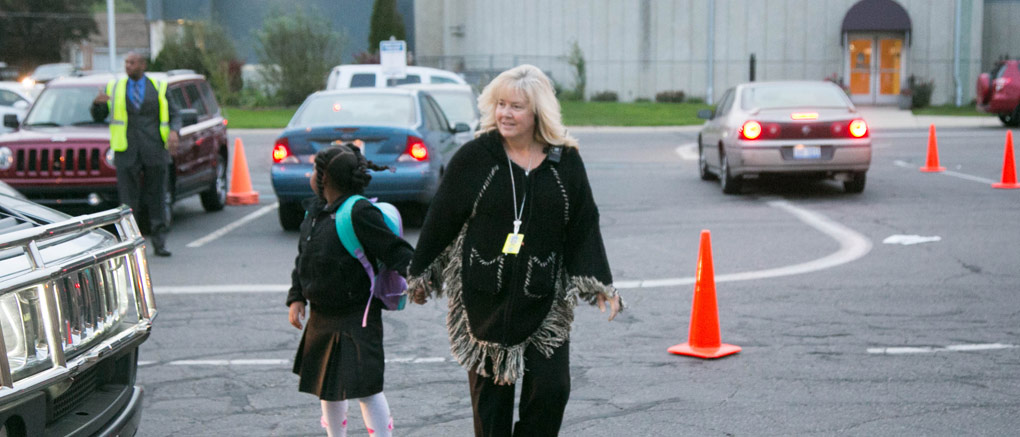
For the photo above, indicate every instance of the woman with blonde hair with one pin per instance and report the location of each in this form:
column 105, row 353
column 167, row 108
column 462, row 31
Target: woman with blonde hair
column 512, row 239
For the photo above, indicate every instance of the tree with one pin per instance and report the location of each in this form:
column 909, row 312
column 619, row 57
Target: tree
column 297, row 52
column 386, row 22
column 34, row 32
column 207, row 49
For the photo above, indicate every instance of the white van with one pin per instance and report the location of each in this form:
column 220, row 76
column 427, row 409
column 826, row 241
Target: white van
column 370, row 75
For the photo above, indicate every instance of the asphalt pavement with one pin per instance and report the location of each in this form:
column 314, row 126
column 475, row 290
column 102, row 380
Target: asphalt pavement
column 891, row 312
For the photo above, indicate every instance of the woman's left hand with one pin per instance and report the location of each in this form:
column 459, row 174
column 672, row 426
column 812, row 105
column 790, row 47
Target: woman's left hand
column 614, row 305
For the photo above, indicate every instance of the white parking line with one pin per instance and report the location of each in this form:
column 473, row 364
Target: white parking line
column 931, row 350
column 948, row 173
column 852, row 246
column 279, row 362
column 226, row 229
column 688, row 151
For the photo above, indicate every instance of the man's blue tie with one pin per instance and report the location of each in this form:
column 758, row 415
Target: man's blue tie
column 136, row 94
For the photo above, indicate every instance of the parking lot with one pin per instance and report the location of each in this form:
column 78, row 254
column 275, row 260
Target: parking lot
column 843, row 330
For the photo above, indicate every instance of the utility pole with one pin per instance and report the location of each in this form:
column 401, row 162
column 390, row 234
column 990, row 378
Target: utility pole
column 112, row 34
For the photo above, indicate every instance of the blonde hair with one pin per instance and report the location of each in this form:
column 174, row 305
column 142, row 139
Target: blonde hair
column 536, row 87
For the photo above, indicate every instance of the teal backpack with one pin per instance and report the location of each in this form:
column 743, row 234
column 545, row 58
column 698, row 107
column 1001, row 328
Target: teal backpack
column 388, row 286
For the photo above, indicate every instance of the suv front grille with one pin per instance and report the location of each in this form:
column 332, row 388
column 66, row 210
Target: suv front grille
column 57, row 161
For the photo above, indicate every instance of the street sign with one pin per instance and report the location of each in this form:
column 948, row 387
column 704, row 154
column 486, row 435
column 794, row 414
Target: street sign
column 393, row 57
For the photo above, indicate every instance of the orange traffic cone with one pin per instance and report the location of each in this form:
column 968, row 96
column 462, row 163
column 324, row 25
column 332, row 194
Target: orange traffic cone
column 933, row 153
column 1008, row 166
column 703, row 339
column 241, row 192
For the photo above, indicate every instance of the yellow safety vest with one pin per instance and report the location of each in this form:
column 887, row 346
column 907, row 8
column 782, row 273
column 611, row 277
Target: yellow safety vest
column 117, row 90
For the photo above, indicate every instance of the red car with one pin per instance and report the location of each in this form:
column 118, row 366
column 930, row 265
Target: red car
column 998, row 92
column 60, row 156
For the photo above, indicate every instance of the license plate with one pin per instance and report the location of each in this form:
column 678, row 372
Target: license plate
column 801, row 151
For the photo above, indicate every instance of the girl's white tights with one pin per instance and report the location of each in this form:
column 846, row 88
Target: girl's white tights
column 374, row 409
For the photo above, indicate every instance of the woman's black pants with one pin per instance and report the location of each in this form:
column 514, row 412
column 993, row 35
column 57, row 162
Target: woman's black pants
column 544, row 394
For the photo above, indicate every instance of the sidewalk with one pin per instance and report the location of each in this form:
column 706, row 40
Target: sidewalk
column 884, row 117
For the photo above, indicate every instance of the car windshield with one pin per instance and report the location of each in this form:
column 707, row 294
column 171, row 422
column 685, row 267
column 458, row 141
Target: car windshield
column 458, row 106
column 799, row 95
column 347, row 109
column 63, row 106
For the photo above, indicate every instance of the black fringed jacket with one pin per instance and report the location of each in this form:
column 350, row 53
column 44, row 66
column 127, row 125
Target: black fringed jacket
column 500, row 303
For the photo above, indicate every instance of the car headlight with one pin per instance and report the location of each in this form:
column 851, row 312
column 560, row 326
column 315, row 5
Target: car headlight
column 21, row 318
column 6, row 158
column 109, row 156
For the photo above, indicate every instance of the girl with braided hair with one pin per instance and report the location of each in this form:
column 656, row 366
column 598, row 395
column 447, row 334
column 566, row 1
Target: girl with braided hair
column 337, row 358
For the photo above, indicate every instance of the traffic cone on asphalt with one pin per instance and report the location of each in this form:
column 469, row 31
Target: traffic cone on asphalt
column 241, row 192
column 932, row 166
column 703, row 338
column 1008, row 166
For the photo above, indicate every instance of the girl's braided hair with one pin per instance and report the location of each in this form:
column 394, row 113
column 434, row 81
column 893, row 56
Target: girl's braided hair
column 346, row 168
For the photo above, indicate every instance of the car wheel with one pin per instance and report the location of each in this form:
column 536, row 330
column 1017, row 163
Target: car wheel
column 214, row 198
column 291, row 215
column 855, row 185
column 703, row 171
column 1012, row 119
column 730, row 184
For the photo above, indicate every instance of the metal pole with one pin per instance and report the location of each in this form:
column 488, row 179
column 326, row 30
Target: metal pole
column 752, row 67
column 710, row 57
column 112, row 33
column 956, row 54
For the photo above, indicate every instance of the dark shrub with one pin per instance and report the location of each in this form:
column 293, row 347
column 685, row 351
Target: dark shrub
column 673, row 96
column 604, row 96
column 921, row 91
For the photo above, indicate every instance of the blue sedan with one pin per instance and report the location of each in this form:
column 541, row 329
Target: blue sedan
column 400, row 128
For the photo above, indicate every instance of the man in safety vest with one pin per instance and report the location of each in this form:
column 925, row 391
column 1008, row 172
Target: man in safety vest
column 144, row 127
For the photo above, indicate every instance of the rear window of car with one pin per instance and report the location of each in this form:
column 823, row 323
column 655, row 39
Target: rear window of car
column 410, row 78
column 354, row 109
column 9, row 98
column 441, row 79
column 792, row 96
column 362, row 80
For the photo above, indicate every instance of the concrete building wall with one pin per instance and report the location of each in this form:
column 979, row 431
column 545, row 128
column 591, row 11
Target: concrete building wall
column 638, row 48
column 1001, row 33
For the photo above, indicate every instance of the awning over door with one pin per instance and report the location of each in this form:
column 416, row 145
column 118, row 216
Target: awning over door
column 876, row 16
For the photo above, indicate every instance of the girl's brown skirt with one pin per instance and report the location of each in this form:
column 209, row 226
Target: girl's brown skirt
column 338, row 359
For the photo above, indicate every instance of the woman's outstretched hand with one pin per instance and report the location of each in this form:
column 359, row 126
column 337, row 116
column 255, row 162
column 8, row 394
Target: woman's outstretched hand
column 297, row 313
column 614, row 305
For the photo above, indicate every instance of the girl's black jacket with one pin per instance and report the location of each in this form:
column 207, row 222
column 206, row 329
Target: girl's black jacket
column 325, row 274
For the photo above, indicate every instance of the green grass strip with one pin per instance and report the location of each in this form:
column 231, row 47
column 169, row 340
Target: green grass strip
column 967, row 111
column 255, row 118
column 577, row 113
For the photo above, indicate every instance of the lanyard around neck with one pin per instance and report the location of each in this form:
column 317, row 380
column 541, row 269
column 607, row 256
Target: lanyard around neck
column 513, row 188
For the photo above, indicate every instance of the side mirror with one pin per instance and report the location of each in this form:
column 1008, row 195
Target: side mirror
column 461, row 127
column 706, row 114
column 20, row 104
column 11, row 121
column 189, row 117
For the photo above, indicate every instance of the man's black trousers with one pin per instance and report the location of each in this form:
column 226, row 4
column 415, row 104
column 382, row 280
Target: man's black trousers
column 139, row 185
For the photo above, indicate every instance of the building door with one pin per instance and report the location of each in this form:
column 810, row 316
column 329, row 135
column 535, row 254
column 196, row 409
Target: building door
column 876, row 64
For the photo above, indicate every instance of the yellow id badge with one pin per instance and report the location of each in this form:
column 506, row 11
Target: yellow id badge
column 513, row 244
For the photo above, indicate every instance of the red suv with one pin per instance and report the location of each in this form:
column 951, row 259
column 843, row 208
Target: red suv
column 998, row 92
column 60, row 156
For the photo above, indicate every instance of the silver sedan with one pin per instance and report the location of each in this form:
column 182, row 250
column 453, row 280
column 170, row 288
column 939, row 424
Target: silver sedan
column 804, row 128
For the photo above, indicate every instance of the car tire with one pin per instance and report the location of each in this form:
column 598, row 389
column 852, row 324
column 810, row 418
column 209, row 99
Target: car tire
column 1012, row 119
column 703, row 171
column 855, row 185
column 291, row 215
column 214, row 198
column 730, row 184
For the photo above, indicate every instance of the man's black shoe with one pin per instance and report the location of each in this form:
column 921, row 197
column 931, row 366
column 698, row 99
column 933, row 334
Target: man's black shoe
column 161, row 251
